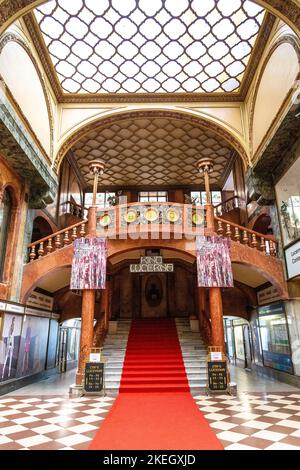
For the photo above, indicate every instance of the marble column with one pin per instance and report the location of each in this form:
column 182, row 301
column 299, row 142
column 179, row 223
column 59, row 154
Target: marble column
column 201, row 304
column 205, row 167
column 216, row 316
column 87, row 311
column 107, row 303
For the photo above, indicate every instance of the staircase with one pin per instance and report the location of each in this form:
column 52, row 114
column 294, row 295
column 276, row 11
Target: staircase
column 114, row 352
column 153, row 361
column 154, row 355
column 194, row 352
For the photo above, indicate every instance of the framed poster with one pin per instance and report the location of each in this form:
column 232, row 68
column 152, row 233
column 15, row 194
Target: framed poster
column 10, row 337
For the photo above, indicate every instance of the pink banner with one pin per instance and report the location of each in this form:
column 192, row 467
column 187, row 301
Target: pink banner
column 213, row 262
column 89, row 264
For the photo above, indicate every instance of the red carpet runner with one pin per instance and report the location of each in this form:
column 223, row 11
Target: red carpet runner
column 154, row 409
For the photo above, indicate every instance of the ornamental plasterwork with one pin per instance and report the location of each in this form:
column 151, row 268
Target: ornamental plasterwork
column 11, row 37
column 289, row 39
column 172, row 115
column 24, row 155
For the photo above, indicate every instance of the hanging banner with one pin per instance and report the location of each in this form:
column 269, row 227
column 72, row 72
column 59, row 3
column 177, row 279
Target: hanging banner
column 213, row 262
column 89, row 264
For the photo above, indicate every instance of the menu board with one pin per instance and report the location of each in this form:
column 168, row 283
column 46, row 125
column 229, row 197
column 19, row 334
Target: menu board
column 217, row 375
column 94, row 377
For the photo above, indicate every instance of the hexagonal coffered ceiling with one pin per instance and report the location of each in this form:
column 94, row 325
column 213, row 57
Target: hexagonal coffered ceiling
column 152, row 152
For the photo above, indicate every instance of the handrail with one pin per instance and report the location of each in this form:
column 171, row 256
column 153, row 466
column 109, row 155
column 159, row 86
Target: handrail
column 60, row 232
column 238, row 233
column 74, row 204
column 234, row 202
column 263, row 243
column 228, row 200
column 240, row 227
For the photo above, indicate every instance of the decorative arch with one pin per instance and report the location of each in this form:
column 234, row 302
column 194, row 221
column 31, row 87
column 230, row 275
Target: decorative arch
column 180, row 115
column 295, row 43
column 11, row 37
column 287, row 10
column 269, row 267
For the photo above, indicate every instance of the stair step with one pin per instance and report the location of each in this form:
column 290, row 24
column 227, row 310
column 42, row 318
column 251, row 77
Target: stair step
column 155, row 388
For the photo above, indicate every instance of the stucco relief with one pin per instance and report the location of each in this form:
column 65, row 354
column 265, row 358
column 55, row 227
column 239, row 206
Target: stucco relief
column 186, row 116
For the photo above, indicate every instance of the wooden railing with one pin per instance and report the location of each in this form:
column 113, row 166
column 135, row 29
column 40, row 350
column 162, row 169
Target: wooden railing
column 56, row 241
column 232, row 203
column 116, row 220
column 71, row 207
column 264, row 243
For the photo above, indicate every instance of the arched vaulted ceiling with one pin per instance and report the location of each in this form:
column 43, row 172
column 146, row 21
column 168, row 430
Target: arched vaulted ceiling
column 152, row 151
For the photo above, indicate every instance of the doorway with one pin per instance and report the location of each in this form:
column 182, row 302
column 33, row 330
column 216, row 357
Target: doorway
column 154, row 296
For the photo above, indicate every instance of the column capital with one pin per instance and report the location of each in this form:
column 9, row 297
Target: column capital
column 97, row 167
column 205, row 165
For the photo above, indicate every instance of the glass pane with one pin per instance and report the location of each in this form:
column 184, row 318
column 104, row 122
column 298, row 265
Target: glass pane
column 196, row 197
column 203, row 197
column 150, row 46
column 274, row 338
column 216, row 197
column 239, row 343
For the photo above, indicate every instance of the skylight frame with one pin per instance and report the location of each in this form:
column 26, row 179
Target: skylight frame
column 180, row 95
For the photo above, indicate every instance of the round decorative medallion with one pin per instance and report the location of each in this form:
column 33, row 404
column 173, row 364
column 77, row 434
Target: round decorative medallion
column 151, row 215
column 105, row 220
column 197, row 218
column 172, row 215
column 130, row 216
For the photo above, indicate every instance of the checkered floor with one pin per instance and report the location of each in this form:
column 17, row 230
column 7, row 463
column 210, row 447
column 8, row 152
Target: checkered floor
column 250, row 421
column 254, row 421
column 50, row 423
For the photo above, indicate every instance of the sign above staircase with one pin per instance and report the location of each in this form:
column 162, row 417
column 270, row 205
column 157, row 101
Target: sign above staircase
column 152, row 264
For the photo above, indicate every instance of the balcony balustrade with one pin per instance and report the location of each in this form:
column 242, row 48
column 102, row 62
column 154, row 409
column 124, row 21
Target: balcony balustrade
column 153, row 220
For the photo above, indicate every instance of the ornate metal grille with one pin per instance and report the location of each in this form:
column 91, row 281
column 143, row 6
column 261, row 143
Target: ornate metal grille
column 165, row 46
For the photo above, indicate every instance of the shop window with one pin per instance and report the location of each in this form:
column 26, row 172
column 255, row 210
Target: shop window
column 10, row 327
column 274, row 337
column 5, row 219
column 104, row 199
column 153, row 196
column 199, row 197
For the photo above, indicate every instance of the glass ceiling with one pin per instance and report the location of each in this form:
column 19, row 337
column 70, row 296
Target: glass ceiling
column 147, row 46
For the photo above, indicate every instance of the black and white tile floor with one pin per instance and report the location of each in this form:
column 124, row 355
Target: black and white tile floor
column 250, row 421
column 254, row 420
column 50, row 423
